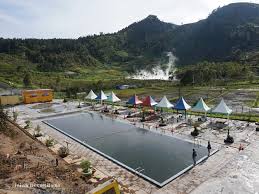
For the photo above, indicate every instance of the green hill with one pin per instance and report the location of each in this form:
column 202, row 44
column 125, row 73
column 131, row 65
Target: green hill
column 229, row 34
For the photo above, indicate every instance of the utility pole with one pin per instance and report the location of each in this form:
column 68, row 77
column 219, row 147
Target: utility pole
column 179, row 91
column 193, row 81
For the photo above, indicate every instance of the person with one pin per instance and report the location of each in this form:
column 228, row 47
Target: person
column 241, row 147
column 56, row 162
column 209, row 148
column 194, row 155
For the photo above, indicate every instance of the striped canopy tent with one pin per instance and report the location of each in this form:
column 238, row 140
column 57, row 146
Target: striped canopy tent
column 91, row 95
column 113, row 98
column 182, row 105
column 222, row 108
column 164, row 103
column 101, row 96
column 149, row 101
column 201, row 106
column 134, row 100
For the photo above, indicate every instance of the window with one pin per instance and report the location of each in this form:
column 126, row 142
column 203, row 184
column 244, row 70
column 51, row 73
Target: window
column 33, row 95
column 45, row 94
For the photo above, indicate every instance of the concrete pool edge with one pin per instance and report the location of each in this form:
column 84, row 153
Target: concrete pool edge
column 125, row 166
column 187, row 169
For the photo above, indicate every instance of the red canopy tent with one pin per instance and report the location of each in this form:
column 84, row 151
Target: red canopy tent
column 149, row 101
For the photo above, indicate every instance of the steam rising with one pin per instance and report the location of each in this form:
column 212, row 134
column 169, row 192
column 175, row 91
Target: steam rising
column 157, row 72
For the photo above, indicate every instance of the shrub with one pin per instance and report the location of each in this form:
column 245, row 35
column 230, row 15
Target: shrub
column 37, row 131
column 6, row 113
column 28, row 124
column 15, row 116
column 195, row 132
column 85, row 165
column 49, row 142
column 63, row 152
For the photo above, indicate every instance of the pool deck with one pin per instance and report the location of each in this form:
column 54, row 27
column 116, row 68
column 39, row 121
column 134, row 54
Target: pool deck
column 197, row 180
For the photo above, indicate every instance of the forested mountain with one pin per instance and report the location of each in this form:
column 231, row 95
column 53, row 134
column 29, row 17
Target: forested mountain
column 147, row 36
column 227, row 34
column 230, row 33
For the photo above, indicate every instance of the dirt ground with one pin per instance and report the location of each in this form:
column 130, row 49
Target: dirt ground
column 27, row 166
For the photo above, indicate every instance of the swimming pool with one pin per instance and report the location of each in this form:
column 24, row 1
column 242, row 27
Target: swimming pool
column 157, row 158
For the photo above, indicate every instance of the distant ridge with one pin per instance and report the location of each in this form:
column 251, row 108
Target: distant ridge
column 230, row 33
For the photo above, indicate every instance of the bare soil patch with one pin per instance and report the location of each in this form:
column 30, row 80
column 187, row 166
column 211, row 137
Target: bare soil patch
column 27, row 165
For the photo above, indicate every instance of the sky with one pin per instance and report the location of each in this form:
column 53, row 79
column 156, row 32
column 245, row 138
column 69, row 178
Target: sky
column 75, row 18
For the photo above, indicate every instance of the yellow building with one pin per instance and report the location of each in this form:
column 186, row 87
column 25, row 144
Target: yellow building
column 9, row 100
column 109, row 187
column 39, row 95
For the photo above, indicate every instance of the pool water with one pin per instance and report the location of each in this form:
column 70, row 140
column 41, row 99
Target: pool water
column 156, row 157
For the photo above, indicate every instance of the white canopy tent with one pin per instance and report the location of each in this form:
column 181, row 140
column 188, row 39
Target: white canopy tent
column 222, row 108
column 164, row 103
column 91, row 95
column 201, row 106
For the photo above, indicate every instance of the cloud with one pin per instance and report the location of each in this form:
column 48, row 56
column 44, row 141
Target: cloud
column 74, row 18
column 5, row 18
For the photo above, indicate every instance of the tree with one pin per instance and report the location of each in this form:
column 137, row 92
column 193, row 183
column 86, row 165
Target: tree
column 27, row 80
column 100, row 85
column 251, row 77
column 80, row 97
column 3, row 120
column 58, row 81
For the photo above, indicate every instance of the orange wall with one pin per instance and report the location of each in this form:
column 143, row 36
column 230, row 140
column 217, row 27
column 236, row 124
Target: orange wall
column 34, row 96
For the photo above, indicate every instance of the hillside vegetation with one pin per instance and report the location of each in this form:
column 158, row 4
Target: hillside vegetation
column 229, row 35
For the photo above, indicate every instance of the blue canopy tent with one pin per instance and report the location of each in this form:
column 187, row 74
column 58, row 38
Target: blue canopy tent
column 134, row 100
column 101, row 96
column 182, row 105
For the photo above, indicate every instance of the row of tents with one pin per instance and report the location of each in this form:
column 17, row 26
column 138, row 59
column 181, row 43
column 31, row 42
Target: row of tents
column 111, row 97
column 181, row 104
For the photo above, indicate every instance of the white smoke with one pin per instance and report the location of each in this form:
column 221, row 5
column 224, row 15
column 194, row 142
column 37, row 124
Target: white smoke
column 157, row 72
